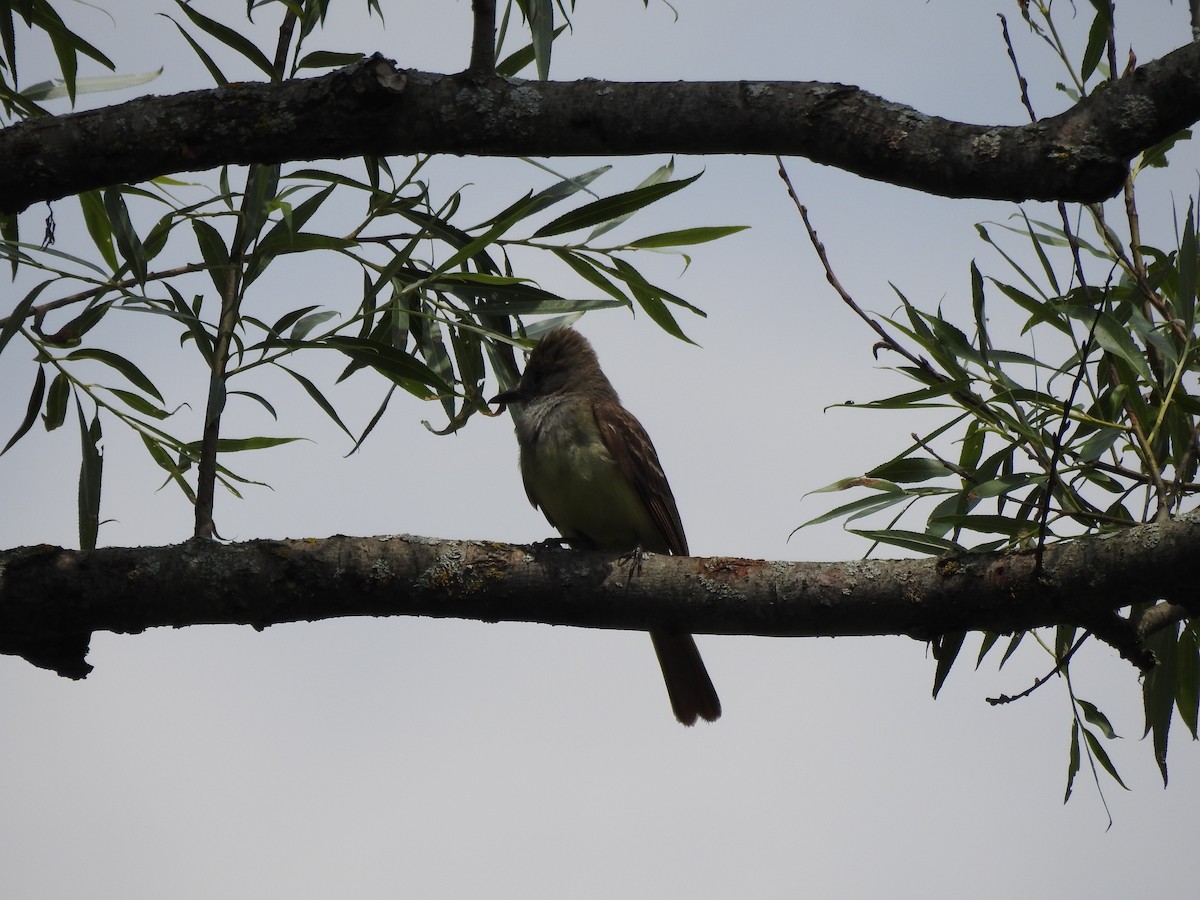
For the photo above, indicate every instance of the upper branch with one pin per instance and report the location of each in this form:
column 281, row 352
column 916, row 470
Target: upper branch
column 372, row 108
column 52, row 599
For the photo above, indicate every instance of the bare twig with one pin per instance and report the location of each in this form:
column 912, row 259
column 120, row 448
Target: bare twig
column 886, row 339
column 1021, row 82
column 483, row 38
column 1058, row 669
column 1056, row 452
column 286, row 28
column 38, row 313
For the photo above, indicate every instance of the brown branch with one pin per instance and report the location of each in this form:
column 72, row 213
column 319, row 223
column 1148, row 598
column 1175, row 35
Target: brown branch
column 51, row 599
column 885, row 339
column 376, row 109
column 483, row 37
column 1160, row 616
column 1059, row 668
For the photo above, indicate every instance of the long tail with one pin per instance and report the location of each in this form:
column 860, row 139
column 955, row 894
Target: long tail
column 688, row 685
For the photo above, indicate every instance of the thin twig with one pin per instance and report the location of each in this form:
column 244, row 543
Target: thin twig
column 38, row 313
column 483, row 38
column 1056, row 452
column 886, row 339
column 953, row 467
column 1024, row 85
column 1185, row 461
column 1059, row 667
column 286, row 28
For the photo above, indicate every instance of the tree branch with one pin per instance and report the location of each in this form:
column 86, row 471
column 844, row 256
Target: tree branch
column 374, row 108
column 52, row 599
column 483, row 37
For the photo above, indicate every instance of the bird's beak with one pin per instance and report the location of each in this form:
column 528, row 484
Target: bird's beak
column 513, row 396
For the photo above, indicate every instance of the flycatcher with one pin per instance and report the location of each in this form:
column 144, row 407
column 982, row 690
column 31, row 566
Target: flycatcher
column 588, row 464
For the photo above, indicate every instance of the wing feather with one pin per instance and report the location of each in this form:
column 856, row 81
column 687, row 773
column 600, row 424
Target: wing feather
column 637, row 459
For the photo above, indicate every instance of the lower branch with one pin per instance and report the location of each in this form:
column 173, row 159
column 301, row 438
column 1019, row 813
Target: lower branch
column 52, row 599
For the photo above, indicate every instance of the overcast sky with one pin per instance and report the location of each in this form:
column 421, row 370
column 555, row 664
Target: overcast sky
column 439, row 759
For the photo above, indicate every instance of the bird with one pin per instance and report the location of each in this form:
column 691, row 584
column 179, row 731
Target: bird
column 590, row 467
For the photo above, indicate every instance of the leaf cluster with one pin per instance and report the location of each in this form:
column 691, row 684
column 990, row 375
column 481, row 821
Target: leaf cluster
column 1069, row 405
column 442, row 304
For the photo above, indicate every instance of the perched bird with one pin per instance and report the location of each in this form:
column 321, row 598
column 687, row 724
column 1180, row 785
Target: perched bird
column 589, row 465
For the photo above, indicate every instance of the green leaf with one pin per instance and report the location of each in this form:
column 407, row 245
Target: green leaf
column 1097, row 718
column 195, row 327
column 262, row 184
column 600, row 211
column 56, row 402
column 918, row 398
column 286, row 237
column 1187, row 684
column 589, row 270
column 1013, row 643
column 235, row 445
column 545, row 306
column 987, row 524
column 121, row 364
column 10, row 228
column 325, row 59
column 989, row 640
column 564, row 188
column 515, row 62
column 126, row 236
column 1158, row 692
column 1101, row 756
column 649, row 299
column 910, row 470
column 1006, row 484
column 214, row 252
column 686, row 237
column 946, row 649
column 300, row 242
column 314, row 392
column 1156, row 156
column 910, row 540
column 1099, row 443
column 31, row 409
column 213, row 69
column 138, row 403
column 20, row 313
column 229, row 38
column 91, row 467
column 259, row 399
column 52, row 90
column 1097, row 41
column 864, row 506
column 1115, row 338
column 1072, row 758
column 660, row 175
column 1185, row 298
column 394, row 364
column 978, row 308
column 540, row 14
column 302, row 328
column 1056, row 238
column 96, row 220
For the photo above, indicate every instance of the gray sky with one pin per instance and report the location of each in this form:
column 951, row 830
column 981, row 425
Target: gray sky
column 406, row 757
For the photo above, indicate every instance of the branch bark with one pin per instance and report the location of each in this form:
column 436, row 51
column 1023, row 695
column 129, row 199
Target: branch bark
column 373, row 108
column 52, row 599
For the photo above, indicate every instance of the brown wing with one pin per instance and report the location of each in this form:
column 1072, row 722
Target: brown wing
column 630, row 446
